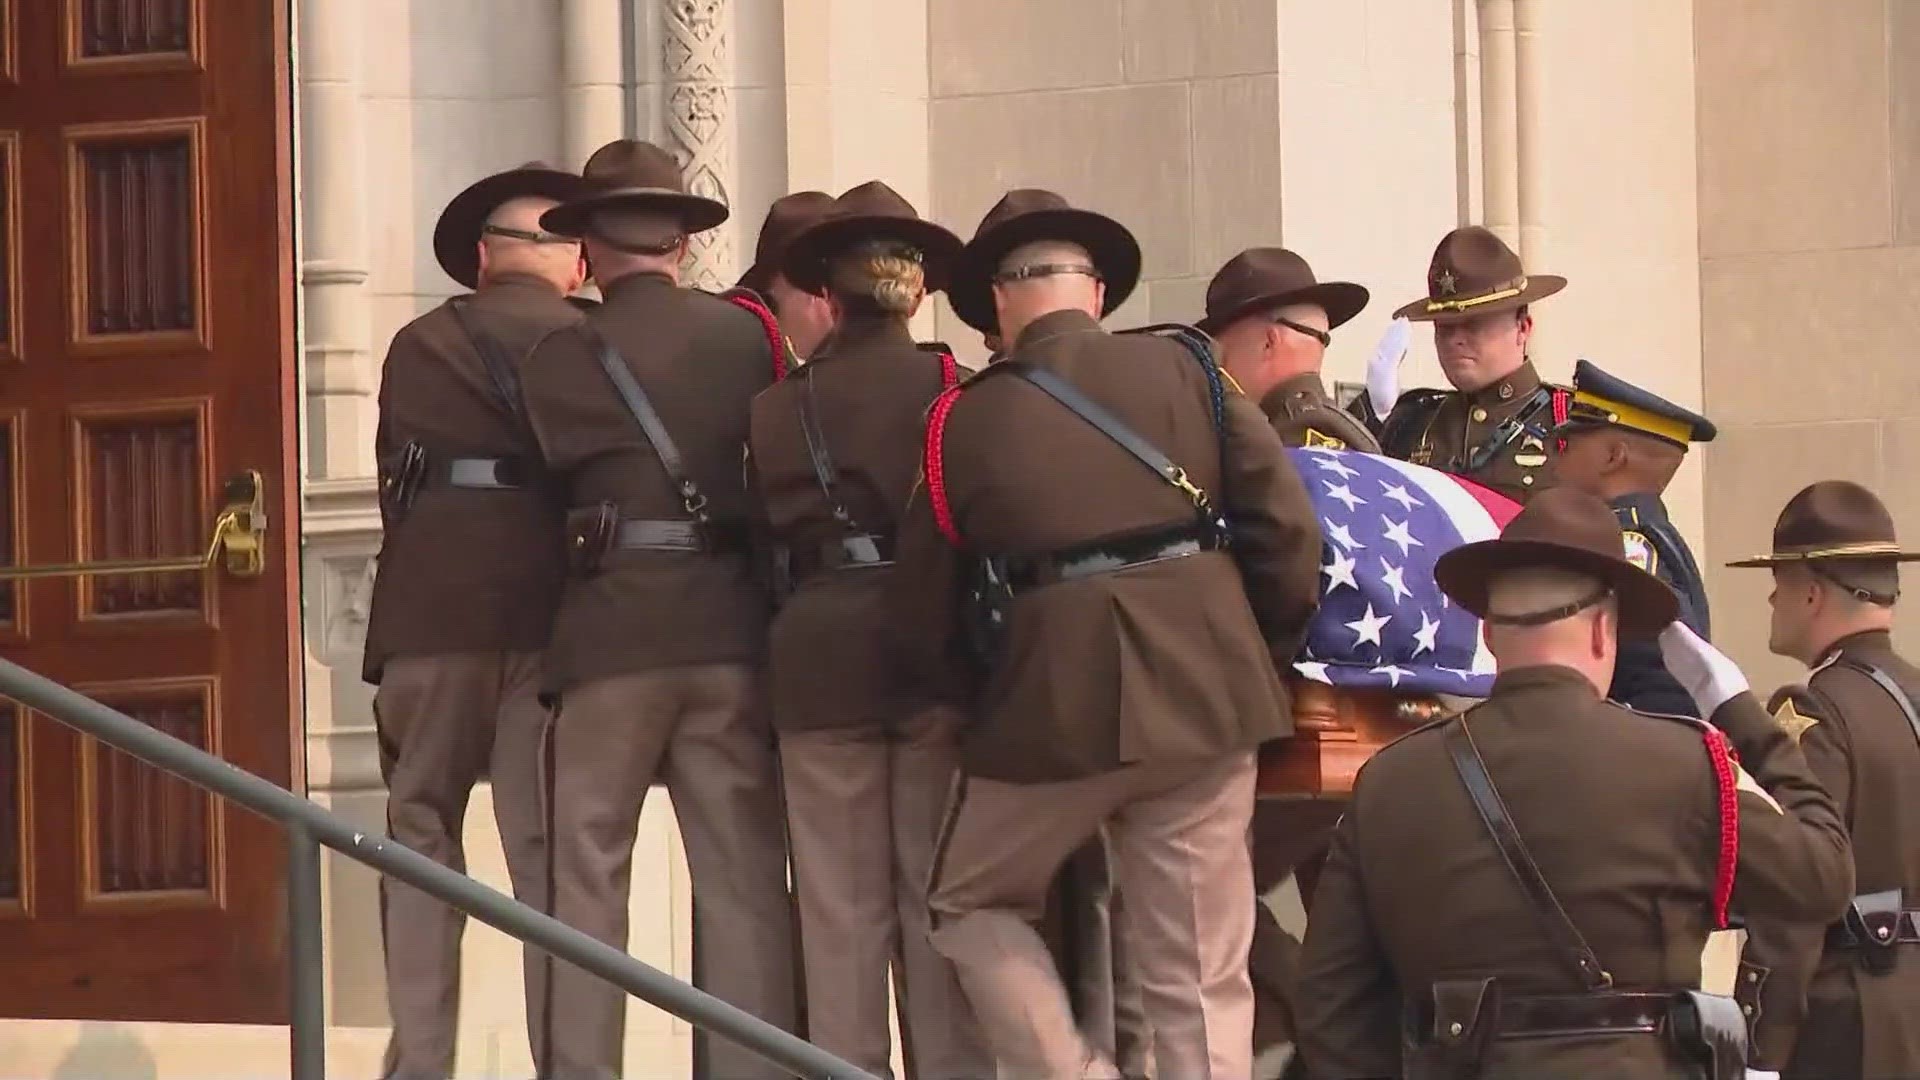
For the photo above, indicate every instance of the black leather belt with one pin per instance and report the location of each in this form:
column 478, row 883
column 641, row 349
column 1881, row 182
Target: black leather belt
column 482, row 474
column 858, row 551
column 1025, row 573
column 670, row 534
column 1581, row 1014
column 1903, row 930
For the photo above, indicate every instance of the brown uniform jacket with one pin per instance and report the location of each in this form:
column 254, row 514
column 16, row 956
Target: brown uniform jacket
column 700, row 361
column 1621, row 811
column 1448, row 429
column 1163, row 661
column 1304, row 416
column 1849, row 1022
column 464, row 570
column 870, row 387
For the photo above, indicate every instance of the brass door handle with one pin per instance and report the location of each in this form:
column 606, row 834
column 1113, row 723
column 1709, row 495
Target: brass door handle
column 238, row 542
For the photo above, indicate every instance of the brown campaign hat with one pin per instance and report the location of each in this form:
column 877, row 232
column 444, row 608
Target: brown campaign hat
column 1261, row 279
column 637, row 175
column 1475, row 273
column 871, row 211
column 1023, row 216
column 456, row 236
column 786, row 217
column 1561, row 528
column 1833, row 521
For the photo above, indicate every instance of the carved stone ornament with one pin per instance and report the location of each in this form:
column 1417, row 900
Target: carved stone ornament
column 697, row 114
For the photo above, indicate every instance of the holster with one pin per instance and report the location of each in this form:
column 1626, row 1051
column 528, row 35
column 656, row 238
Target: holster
column 590, row 535
column 1874, row 920
column 989, row 596
column 400, row 479
column 1711, row 1031
column 1449, row 1040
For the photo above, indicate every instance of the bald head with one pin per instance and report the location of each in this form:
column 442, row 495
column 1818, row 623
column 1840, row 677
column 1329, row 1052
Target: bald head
column 1043, row 277
column 552, row 259
column 1584, row 640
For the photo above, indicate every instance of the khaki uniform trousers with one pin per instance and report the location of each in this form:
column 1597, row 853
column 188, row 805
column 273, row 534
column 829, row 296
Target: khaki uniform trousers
column 702, row 730
column 863, row 810
column 444, row 723
column 1178, row 836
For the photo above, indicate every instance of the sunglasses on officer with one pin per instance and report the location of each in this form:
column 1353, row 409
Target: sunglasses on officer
column 1324, row 337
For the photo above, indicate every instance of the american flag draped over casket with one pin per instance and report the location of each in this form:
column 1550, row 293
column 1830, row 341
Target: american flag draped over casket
column 1383, row 624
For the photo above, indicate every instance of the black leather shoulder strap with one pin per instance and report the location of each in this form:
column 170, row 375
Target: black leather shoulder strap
column 641, row 408
column 1472, row 769
column 1887, row 683
column 1413, row 407
column 493, row 356
column 824, row 473
column 1112, row 427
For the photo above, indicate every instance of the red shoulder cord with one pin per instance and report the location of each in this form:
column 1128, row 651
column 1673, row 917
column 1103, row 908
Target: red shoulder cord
column 931, row 459
column 1721, row 753
column 1562, row 404
column 949, row 371
column 775, row 339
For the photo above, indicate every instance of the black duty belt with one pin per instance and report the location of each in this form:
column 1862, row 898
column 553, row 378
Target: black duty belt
column 1862, row 929
column 854, row 551
column 482, row 474
column 1025, row 573
column 1554, row 1015
column 674, row 534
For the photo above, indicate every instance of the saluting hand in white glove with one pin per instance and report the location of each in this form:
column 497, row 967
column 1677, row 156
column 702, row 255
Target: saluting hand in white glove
column 1707, row 674
column 1756, row 1074
column 1383, row 368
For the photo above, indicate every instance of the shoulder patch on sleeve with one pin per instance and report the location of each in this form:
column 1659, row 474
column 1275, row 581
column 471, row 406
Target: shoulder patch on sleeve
column 1744, row 781
column 1315, row 438
column 1640, row 550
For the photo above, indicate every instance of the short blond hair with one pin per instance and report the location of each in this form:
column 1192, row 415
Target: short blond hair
column 887, row 275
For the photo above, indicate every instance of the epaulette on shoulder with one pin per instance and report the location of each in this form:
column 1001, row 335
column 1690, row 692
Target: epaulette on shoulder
column 1693, row 722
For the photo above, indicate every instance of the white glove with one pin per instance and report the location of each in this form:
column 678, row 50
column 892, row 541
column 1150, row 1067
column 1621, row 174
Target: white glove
column 1706, row 673
column 1383, row 369
column 1756, row 1074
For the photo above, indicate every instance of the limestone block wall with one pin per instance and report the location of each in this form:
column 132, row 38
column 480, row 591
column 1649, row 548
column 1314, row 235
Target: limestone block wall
column 1809, row 203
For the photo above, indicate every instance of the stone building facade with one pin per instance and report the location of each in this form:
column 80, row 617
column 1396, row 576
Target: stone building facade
column 1732, row 186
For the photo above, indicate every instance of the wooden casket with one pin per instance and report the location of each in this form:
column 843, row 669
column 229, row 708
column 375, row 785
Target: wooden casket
column 1335, row 731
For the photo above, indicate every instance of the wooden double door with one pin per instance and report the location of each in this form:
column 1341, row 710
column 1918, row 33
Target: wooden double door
column 146, row 355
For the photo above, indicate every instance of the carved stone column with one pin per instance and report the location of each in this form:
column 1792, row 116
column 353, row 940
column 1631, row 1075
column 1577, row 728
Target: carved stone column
column 699, row 123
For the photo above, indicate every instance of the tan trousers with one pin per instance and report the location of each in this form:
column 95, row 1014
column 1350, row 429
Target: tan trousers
column 1178, row 835
column 445, row 722
column 702, row 730
column 863, row 810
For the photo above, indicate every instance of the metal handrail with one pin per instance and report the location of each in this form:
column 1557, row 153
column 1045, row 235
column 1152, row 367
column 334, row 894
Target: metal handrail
column 308, row 826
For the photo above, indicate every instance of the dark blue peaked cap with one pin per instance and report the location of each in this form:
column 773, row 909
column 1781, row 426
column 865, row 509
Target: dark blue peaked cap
column 1603, row 400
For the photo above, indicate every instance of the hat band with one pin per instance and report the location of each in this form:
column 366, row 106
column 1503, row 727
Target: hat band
column 1505, row 292
column 1631, row 416
column 1551, row 615
column 1844, row 551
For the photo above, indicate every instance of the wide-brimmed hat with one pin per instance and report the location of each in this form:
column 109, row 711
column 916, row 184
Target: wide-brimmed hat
column 785, row 218
column 871, row 211
column 636, row 175
column 1561, row 528
column 1475, row 273
column 1832, row 521
column 1261, row 279
column 456, row 236
column 1023, row 216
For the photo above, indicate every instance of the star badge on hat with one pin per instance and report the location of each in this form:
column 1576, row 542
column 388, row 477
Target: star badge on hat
column 1791, row 722
column 1444, row 284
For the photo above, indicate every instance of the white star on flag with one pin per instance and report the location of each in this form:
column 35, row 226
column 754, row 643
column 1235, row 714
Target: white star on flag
column 1392, row 672
column 1341, row 535
column 1368, row 627
column 1333, row 465
column 1397, row 532
column 1340, row 572
column 1398, row 493
column 1313, row 670
column 1344, row 494
column 1395, row 578
column 1423, row 638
